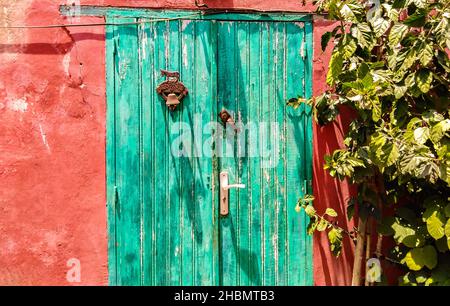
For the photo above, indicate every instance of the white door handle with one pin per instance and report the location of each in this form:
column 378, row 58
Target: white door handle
column 224, row 192
column 226, row 187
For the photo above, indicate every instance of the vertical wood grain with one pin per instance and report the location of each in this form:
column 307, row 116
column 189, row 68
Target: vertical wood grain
column 163, row 221
column 127, row 154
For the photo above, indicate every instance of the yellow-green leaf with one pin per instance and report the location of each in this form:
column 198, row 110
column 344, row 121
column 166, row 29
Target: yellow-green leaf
column 421, row 135
column 335, row 67
column 418, row 258
column 435, row 226
column 414, row 260
column 331, row 212
column 426, row 54
column 322, row 225
column 423, row 80
column 439, row 129
column 397, row 33
column 310, row 211
column 447, row 229
column 380, row 25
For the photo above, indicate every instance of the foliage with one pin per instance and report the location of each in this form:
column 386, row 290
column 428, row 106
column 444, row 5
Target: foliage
column 390, row 63
column 320, row 223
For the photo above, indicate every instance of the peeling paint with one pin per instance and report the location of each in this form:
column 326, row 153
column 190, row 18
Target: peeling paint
column 184, row 24
column 18, row 105
column 302, row 49
column 44, row 138
column 66, row 64
column 144, row 44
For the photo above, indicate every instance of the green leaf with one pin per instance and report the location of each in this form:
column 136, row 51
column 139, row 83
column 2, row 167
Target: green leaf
column 417, row 19
column 435, row 225
column 385, row 227
column 447, row 213
column 420, row 3
column 325, row 39
column 421, row 135
column 421, row 277
column 447, row 229
column 438, row 130
column 310, row 211
column 380, row 26
column 399, row 91
column 418, row 258
column 312, row 226
column 347, row 13
column 425, row 54
column 423, row 80
column 407, row 235
column 347, row 46
column 322, row 225
column 391, row 154
column 414, row 259
column 334, row 68
column 441, row 244
column 397, row 33
column 376, row 110
column 410, row 58
column 430, row 256
column 363, row 34
column 386, row 152
column 392, row 13
column 335, row 239
column 331, row 212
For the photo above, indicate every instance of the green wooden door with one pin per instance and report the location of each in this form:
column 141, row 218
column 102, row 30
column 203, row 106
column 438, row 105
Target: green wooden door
column 163, row 167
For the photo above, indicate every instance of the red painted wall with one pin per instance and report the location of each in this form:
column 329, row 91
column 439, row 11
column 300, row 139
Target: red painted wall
column 52, row 144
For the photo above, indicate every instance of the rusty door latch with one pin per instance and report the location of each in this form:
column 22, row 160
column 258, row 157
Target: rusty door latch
column 226, row 118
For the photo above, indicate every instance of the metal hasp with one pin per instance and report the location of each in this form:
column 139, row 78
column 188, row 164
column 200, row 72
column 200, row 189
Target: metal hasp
column 226, row 118
column 172, row 90
column 224, row 192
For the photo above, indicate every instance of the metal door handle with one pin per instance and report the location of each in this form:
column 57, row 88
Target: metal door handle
column 224, row 192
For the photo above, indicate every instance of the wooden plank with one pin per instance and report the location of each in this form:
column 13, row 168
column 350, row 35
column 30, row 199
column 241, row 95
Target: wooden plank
column 205, row 98
column 87, row 10
column 127, row 155
column 227, row 83
column 295, row 156
column 243, row 115
column 264, row 138
column 161, row 113
column 146, row 52
column 111, row 153
column 188, row 161
column 173, row 49
column 279, row 49
column 215, row 186
column 254, row 186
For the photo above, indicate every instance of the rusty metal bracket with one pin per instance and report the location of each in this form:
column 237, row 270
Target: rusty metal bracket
column 172, row 90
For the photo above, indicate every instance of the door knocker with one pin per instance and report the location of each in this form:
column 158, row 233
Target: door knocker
column 172, row 90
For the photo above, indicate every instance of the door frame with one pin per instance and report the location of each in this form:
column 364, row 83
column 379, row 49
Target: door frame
column 160, row 14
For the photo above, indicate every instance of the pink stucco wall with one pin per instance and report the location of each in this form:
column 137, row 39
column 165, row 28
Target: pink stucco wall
column 52, row 144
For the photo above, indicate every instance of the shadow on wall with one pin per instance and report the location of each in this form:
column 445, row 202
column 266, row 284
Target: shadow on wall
column 50, row 48
column 330, row 192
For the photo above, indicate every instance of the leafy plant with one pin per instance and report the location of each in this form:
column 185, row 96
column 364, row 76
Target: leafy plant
column 390, row 63
column 321, row 223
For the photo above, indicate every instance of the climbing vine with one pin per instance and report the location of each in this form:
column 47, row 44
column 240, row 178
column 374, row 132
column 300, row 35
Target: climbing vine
column 390, row 63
